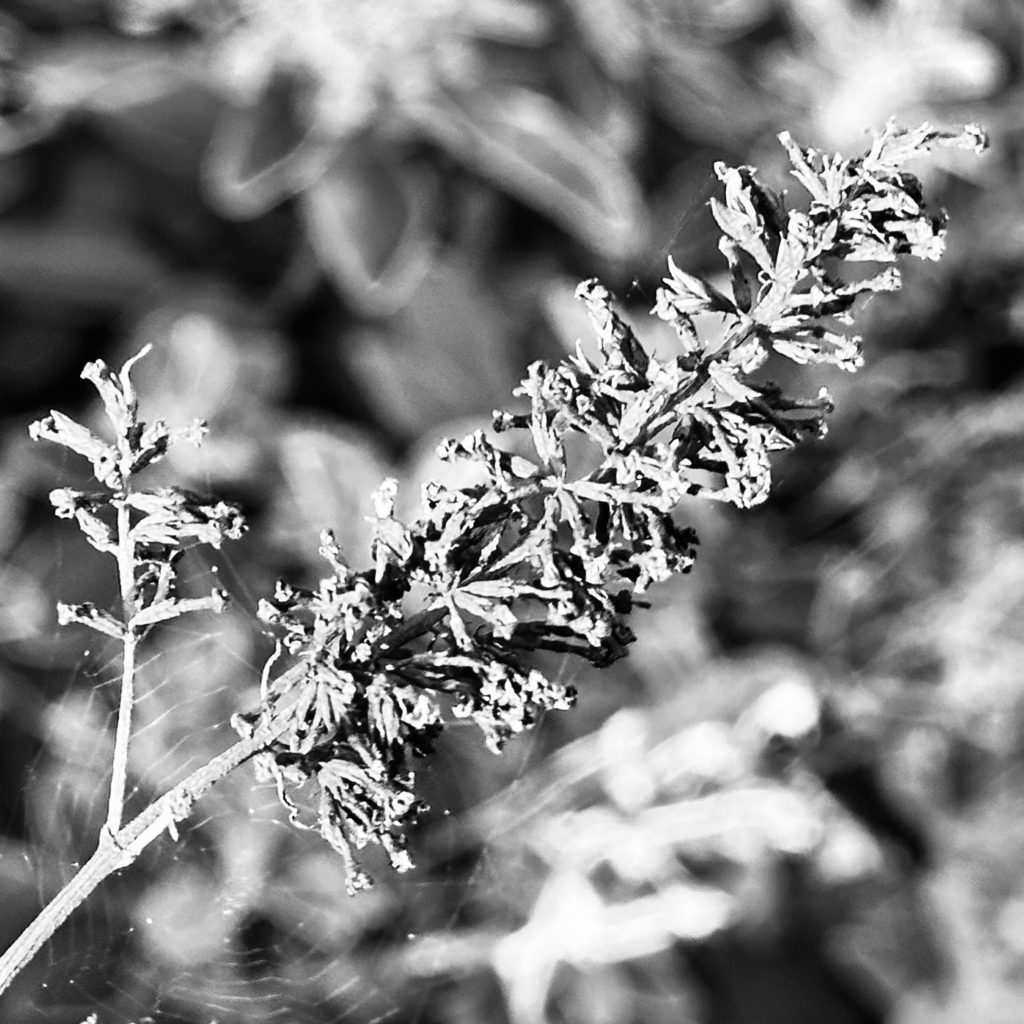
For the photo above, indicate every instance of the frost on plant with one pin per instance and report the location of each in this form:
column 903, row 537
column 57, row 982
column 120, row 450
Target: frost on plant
column 542, row 556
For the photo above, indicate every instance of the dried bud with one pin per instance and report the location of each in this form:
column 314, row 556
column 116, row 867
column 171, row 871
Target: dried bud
column 62, row 430
column 89, row 615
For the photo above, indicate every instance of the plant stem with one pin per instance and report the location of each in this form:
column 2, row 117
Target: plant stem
column 119, row 767
column 125, row 559
column 119, row 847
column 116, row 850
column 126, row 577
column 107, row 859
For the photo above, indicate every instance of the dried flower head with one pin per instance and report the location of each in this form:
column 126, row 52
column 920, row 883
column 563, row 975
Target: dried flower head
column 537, row 558
column 146, row 531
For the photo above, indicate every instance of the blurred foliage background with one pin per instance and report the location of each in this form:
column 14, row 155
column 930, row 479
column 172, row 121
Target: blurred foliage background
column 347, row 226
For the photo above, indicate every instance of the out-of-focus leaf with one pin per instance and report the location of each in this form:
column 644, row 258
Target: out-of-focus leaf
column 977, row 897
column 82, row 264
column 897, row 941
column 19, row 887
column 213, row 359
column 718, row 20
column 858, row 65
column 18, row 131
column 677, row 206
column 440, row 358
column 14, row 462
column 644, row 834
column 12, row 36
column 328, row 476
column 182, row 921
column 369, row 221
column 25, row 610
column 604, row 104
column 264, row 153
column 97, row 73
column 535, row 149
column 304, row 900
column 212, row 354
column 940, row 67
column 701, row 90
column 15, row 177
column 82, row 252
column 188, row 686
column 87, row 72
column 57, row 13
column 168, row 130
column 65, row 568
column 615, row 32
column 62, row 807
column 38, row 352
column 696, row 84
column 509, row 21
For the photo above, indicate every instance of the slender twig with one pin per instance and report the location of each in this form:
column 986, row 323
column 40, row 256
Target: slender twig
column 107, row 859
column 117, row 850
column 122, row 738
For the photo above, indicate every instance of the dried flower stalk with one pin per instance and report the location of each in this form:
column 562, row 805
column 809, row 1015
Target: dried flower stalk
column 535, row 556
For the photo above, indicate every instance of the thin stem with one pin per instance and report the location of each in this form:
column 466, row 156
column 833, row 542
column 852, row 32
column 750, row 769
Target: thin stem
column 116, row 850
column 107, row 859
column 125, row 558
column 119, row 766
column 126, row 576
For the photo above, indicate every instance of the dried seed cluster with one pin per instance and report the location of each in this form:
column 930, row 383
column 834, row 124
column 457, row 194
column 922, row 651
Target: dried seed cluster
column 546, row 552
column 536, row 557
